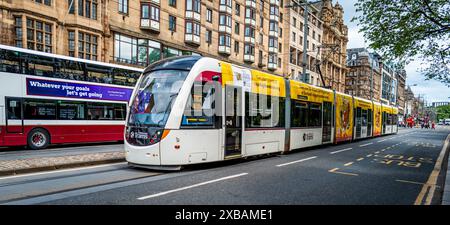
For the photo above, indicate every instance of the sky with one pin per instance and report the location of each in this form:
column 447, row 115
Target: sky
column 432, row 91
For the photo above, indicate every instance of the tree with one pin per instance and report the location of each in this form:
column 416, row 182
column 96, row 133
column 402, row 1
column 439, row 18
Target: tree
column 443, row 112
column 404, row 29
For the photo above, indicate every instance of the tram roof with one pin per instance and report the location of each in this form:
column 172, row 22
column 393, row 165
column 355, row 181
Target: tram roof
column 174, row 63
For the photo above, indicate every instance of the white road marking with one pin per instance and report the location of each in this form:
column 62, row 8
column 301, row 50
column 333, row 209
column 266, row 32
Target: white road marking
column 301, row 160
column 382, row 140
column 60, row 171
column 191, row 186
column 343, row 150
column 366, row 144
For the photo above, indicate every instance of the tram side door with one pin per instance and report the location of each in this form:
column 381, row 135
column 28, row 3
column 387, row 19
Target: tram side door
column 14, row 115
column 327, row 122
column 233, row 121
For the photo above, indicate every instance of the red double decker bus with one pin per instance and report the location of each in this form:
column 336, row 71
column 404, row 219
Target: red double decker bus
column 52, row 99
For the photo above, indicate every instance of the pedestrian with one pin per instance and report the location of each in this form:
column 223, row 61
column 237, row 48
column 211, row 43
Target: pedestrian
column 433, row 126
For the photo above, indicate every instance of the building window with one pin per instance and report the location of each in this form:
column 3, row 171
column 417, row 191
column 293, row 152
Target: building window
column 209, row 15
column 81, row 7
column 273, row 42
column 225, row 40
column 261, row 39
column 172, row 23
column 18, row 31
column 193, row 5
column 39, row 35
column 136, row 51
column 293, row 37
column 274, row 10
column 123, row 6
column 249, row 49
column 294, row 22
column 273, row 26
column 249, row 31
column 208, row 36
column 280, row 32
column 226, row 2
column 281, row 18
column 237, row 9
column 87, row 46
column 250, row 13
column 86, row 8
column 71, row 6
column 173, row 3
column 192, row 28
column 236, row 28
column 261, row 6
column 261, row 21
column 224, row 20
column 46, row 2
column 236, row 46
column 72, row 43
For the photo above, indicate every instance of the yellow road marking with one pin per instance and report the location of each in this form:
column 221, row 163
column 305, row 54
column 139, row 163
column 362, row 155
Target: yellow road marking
column 348, row 164
column 432, row 180
column 359, row 159
column 335, row 170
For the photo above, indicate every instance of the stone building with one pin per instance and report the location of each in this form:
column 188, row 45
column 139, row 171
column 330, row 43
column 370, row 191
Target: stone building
column 139, row 32
column 363, row 67
column 295, row 44
column 401, row 90
column 333, row 44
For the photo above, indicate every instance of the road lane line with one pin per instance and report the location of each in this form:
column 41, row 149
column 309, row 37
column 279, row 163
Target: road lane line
column 360, row 159
column 409, row 182
column 369, row 155
column 343, row 150
column 432, row 180
column 191, row 186
column 60, row 171
column 366, row 144
column 301, row 160
column 382, row 140
column 348, row 164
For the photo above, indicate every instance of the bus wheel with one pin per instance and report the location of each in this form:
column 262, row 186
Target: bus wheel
column 38, row 139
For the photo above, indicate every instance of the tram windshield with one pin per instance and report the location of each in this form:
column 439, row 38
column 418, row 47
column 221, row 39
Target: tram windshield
column 154, row 98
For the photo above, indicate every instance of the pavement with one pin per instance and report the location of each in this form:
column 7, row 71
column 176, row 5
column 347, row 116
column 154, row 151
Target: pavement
column 18, row 161
column 446, row 190
column 389, row 170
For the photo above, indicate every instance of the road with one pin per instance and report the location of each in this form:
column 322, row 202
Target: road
column 385, row 170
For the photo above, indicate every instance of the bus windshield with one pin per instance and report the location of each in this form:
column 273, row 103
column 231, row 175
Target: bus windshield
column 154, row 97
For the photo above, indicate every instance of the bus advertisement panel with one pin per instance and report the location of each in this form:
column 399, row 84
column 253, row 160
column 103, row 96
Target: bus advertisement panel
column 344, row 117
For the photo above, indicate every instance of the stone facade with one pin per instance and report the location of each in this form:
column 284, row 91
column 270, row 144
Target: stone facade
column 295, row 44
column 334, row 44
column 139, row 32
column 401, row 90
column 358, row 80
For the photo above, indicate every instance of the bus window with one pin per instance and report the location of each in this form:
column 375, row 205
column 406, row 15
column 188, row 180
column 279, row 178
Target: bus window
column 38, row 65
column 98, row 74
column 105, row 111
column 9, row 61
column 39, row 109
column 14, row 109
column 70, row 110
column 73, row 70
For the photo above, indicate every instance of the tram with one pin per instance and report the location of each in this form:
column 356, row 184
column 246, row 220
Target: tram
column 193, row 109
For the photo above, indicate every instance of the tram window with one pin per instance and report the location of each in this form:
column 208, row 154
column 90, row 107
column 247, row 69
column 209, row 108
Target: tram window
column 200, row 109
column 14, row 109
column 263, row 111
column 299, row 113
column 315, row 115
column 39, row 109
column 71, row 110
column 364, row 117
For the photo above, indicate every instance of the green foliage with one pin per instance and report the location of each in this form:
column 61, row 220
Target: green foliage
column 443, row 112
column 404, row 29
